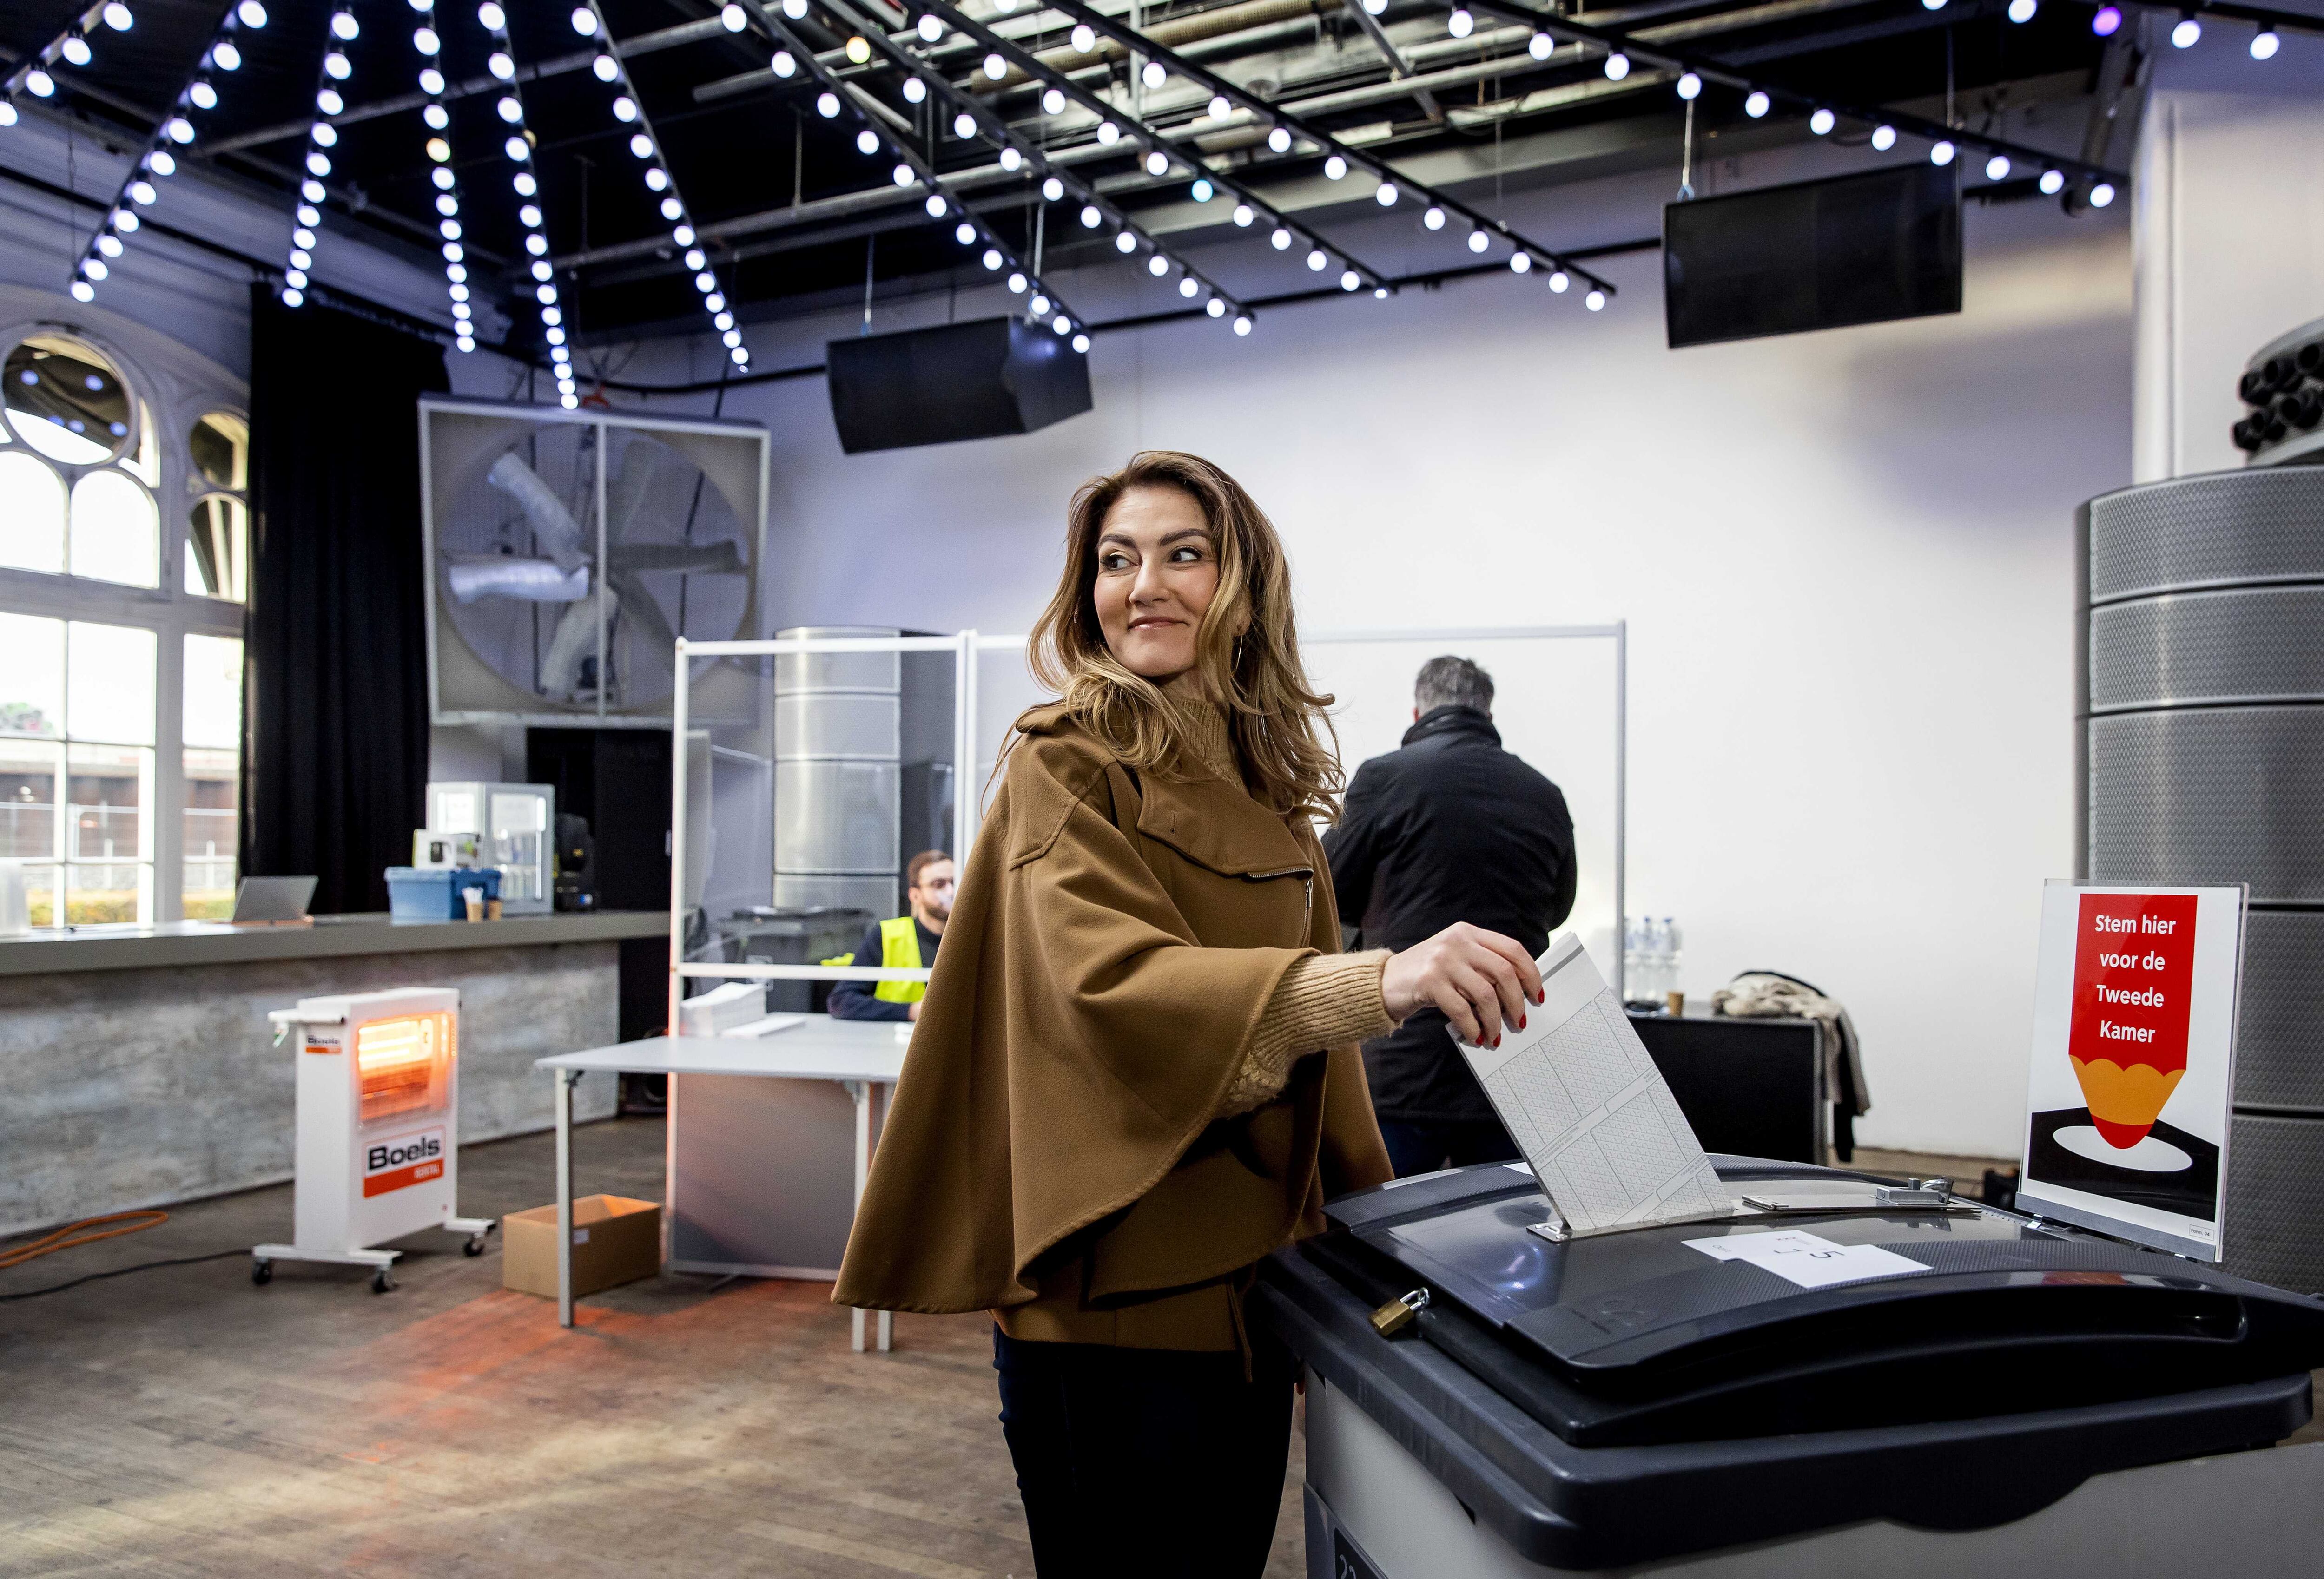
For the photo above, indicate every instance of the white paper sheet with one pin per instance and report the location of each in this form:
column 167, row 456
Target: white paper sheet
column 1807, row 1259
column 1589, row 1110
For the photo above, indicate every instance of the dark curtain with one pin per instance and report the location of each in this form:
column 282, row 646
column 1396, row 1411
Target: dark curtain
column 334, row 679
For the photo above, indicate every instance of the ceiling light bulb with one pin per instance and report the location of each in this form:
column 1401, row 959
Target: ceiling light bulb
column 1884, row 138
column 75, row 48
column 1243, row 215
column 2265, row 43
column 2101, row 195
column 1216, row 307
column 1152, row 75
column 1316, row 258
column 963, row 233
column 826, row 105
column 161, row 162
column 1618, row 66
column 695, row 258
column 935, row 206
column 424, row 39
column 1016, row 284
column 625, row 108
column 1558, row 281
column 1084, row 40
column 705, row 282
column 1479, row 241
column 1520, row 262
column 1038, row 306
column 1460, row 24
column 1081, row 344
column 1242, row 326
column 2107, row 19
column 931, row 29
column 995, row 67
column 1595, row 301
column 1201, row 191
column 795, row 9
column 2184, row 35
column 1385, row 195
column 1375, row 7
column 1156, row 162
column 915, row 90
column 437, row 116
column 604, row 68
column 2022, row 11
column 1125, row 242
column 903, row 175
column 1941, row 152
column 225, row 56
column 584, row 22
column 1541, row 46
column 512, row 112
column 1281, row 240
column 724, row 320
column 514, row 148
column 1107, row 133
column 40, row 82
column 464, row 343
column 1053, row 189
column 344, row 25
column 731, row 19
column 782, row 63
column 252, row 12
column 1757, row 105
column 1220, row 108
column 991, row 257
column 1011, row 160
column 657, row 178
column 1349, row 281
column 524, row 184
column 117, row 16
column 529, row 215
column 1053, row 101
column 1822, row 122
column 1157, row 265
column 1932, row 4
column 110, row 244
column 641, row 146
column 179, row 129
column 1434, row 218
column 1279, row 140
column 2052, row 182
column 125, row 219
column 867, row 140
column 1090, row 216
column 1189, row 286
column 964, row 125
column 1335, row 168
column 1690, row 86
column 857, row 50
column 1997, row 169
column 204, row 97
column 142, row 192
column 492, row 16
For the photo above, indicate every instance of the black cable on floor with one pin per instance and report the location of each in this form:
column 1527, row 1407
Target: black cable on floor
column 121, row 1273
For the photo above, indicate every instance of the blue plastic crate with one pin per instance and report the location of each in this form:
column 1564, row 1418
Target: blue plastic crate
column 437, row 893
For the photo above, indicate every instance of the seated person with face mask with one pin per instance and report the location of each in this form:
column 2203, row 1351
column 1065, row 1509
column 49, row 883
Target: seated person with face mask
column 907, row 943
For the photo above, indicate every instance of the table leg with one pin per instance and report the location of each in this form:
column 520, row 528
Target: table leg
column 860, row 1090
column 880, row 1095
column 565, row 1078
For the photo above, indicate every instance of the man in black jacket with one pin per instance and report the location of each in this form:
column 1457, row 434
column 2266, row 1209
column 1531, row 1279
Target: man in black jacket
column 1452, row 828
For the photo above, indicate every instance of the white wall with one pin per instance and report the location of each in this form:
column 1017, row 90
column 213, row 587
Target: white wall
column 2229, row 233
column 1846, row 559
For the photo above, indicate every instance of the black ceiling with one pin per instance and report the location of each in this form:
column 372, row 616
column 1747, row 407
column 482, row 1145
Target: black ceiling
column 753, row 150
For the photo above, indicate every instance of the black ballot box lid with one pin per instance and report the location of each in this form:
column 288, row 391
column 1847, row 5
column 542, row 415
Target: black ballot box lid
column 1618, row 1398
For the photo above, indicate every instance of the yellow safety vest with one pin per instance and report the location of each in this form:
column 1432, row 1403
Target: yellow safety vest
column 900, row 949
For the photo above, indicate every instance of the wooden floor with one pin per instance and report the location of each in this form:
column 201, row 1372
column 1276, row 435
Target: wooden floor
column 181, row 1422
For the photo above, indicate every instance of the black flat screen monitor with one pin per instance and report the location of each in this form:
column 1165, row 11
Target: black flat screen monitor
column 1817, row 256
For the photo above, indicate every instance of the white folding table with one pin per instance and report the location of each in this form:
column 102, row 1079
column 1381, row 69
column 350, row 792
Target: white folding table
column 728, row 1153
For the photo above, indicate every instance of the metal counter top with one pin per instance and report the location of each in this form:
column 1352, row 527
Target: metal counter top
column 48, row 950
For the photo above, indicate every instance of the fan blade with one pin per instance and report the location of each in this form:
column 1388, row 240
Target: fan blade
column 534, row 581
column 552, row 523
column 703, row 559
column 576, row 640
column 641, row 606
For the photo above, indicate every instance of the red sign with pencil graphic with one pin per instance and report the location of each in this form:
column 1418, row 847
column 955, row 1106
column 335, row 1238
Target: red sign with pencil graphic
column 2133, row 968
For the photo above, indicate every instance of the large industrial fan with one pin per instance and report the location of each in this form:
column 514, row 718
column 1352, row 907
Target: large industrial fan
column 568, row 550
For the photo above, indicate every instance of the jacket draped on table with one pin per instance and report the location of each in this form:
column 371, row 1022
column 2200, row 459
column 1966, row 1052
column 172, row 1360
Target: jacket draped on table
column 1051, row 1142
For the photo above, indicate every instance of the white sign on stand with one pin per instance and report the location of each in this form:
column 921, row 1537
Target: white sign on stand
column 2133, row 1069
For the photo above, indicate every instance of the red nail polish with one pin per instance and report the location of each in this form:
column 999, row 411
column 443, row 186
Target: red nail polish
column 1521, row 1019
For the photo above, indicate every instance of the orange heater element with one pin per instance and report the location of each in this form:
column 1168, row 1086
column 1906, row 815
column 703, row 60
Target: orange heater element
column 2134, row 967
column 401, row 1064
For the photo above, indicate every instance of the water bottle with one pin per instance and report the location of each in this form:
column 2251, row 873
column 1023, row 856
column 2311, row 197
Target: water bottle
column 1673, row 952
column 1635, row 986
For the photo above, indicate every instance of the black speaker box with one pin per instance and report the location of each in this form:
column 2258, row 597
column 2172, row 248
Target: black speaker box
column 957, row 380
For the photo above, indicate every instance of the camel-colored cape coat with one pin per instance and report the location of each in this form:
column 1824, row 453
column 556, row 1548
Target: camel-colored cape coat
column 1115, row 941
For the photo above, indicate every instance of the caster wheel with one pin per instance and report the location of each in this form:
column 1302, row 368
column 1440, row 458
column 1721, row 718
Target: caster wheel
column 261, row 1272
column 475, row 1247
column 381, row 1282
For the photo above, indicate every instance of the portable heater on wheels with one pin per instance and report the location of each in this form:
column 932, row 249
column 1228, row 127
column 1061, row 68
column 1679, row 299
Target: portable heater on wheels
column 379, row 1128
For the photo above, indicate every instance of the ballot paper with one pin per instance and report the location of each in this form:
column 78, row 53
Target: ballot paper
column 1591, row 1113
column 1808, row 1259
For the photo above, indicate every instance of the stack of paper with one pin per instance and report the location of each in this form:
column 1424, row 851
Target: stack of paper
column 1590, row 1111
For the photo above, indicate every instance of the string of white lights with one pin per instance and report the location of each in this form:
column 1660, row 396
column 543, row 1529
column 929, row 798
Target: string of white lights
column 322, row 136
column 524, row 180
column 792, row 56
column 1286, row 130
column 589, row 22
column 1060, row 89
column 427, row 44
column 159, row 159
column 35, row 73
column 1059, row 183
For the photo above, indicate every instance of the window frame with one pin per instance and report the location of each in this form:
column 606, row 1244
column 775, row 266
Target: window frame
column 174, row 388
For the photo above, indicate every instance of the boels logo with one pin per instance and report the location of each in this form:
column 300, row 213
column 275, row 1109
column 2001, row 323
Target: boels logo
column 406, row 1159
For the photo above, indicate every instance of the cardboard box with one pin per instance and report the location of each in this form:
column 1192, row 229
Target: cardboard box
column 616, row 1240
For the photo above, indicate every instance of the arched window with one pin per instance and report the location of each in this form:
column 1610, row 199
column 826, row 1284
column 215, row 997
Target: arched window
column 120, row 649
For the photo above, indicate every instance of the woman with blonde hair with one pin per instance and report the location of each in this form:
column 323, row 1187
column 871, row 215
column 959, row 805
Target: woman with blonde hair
column 1135, row 1072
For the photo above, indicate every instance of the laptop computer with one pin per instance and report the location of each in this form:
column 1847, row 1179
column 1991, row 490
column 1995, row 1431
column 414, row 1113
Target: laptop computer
column 273, row 899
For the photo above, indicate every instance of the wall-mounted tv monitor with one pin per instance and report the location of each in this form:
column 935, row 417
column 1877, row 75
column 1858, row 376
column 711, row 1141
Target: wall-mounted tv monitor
column 1823, row 254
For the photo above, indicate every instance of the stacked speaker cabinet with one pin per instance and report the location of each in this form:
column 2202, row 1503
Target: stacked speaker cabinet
column 838, row 775
column 2200, row 750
